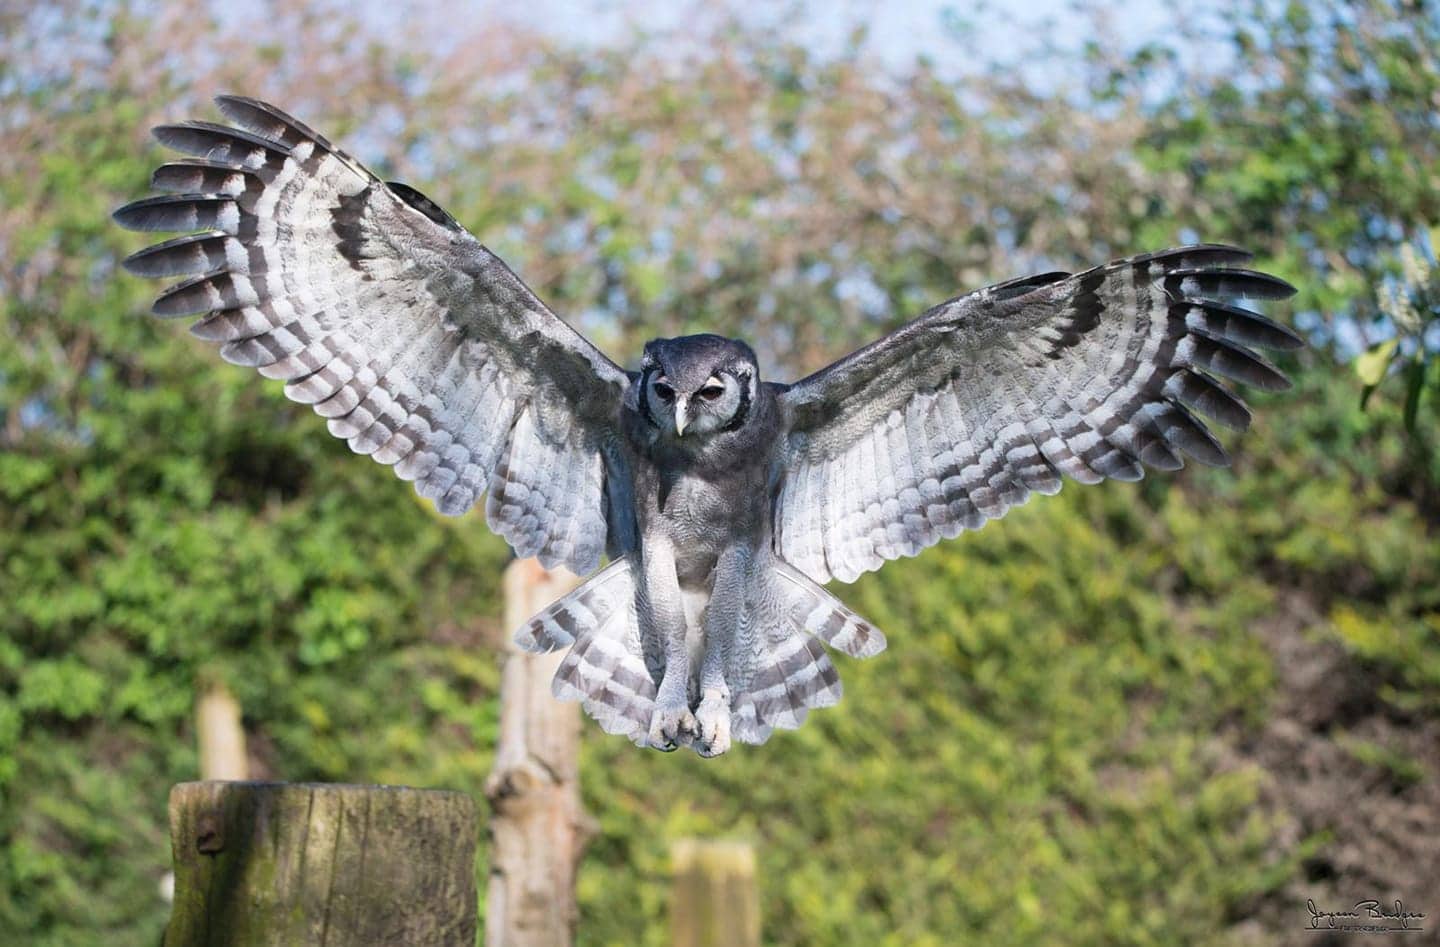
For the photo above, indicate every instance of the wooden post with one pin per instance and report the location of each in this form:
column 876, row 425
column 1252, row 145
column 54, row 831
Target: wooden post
column 537, row 826
column 295, row 863
column 219, row 733
column 715, row 902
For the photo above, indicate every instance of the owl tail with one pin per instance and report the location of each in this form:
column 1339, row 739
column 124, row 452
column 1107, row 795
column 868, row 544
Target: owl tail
column 605, row 669
column 787, row 628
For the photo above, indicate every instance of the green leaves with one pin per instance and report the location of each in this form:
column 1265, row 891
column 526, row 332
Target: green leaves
column 65, row 687
column 1372, row 364
column 1062, row 719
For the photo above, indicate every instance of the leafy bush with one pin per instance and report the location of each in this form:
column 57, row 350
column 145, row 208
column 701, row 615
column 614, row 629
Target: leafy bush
column 1060, row 744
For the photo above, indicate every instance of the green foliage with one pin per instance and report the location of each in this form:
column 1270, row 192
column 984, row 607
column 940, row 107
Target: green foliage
column 1045, row 733
column 1412, row 304
column 165, row 519
column 1038, row 733
column 1048, row 750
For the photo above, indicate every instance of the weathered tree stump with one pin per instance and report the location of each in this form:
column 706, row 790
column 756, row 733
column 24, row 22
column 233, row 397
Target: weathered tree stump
column 537, row 827
column 715, row 902
column 313, row 863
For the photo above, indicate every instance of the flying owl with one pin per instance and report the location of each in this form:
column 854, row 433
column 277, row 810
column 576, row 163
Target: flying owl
column 722, row 501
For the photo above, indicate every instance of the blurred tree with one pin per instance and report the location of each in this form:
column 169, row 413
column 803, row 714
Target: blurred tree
column 1309, row 127
column 1107, row 718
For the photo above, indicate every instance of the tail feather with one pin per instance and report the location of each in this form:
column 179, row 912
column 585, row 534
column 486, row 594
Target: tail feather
column 828, row 619
column 605, row 680
column 801, row 677
column 790, row 670
column 592, row 605
column 605, row 670
column 777, row 672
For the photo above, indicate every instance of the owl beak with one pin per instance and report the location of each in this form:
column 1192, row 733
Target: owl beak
column 682, row 412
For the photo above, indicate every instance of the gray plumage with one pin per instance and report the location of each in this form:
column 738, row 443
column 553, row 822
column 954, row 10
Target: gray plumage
column 723, row 501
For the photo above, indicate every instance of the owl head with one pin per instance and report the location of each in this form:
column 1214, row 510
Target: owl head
column 697, row 385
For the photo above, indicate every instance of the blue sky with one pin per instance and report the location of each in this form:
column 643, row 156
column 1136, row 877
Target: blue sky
column 899, row 30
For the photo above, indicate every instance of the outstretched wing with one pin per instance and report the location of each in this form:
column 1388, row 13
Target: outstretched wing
column 959, row 415
column 420, row 347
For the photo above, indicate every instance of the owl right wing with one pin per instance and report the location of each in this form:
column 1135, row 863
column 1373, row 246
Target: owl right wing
column 956, row 417
column 420, row 347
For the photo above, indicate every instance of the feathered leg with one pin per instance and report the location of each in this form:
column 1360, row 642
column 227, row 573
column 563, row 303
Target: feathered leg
column 662, row 618
column 722, row 625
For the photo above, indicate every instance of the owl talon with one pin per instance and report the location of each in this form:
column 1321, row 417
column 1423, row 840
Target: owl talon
column 712, row 720
column 671, row 726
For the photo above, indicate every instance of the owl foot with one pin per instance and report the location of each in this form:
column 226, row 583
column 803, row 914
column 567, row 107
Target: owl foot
column 712, row 723
column 670, row 726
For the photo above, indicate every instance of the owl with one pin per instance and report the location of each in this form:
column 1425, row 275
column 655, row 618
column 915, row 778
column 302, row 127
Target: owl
column 719, row 502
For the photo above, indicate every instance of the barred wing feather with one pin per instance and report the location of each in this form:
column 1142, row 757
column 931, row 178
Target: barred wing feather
column 960, row 415
column 420, row 347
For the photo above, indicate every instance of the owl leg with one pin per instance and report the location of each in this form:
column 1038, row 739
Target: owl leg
column 662, row 615
column 722, row 622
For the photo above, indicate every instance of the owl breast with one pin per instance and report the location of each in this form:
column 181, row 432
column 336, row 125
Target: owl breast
column 706, row 494
column 703, row 516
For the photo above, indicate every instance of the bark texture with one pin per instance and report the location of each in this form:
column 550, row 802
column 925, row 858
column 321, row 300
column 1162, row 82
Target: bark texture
column 537, row 827
column 296, row 863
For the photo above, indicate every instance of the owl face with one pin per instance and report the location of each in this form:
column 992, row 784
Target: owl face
column 697, row 385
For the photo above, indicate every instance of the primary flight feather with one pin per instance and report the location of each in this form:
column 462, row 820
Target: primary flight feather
column 723, row 501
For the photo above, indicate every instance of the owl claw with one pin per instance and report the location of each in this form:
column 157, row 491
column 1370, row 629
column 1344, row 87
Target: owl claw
column 670, row 726
column 712, row 720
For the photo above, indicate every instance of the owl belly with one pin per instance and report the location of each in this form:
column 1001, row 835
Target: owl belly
column 702, row 518
column 700, row 524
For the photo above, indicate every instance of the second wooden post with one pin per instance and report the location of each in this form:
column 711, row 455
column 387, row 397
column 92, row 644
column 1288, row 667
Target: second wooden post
column 537, row 826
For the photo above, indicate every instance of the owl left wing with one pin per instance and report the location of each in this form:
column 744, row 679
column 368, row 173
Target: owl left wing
column 954, row 418
column 419, row 346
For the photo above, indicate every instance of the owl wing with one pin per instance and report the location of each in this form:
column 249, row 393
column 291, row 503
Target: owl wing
column 419, row 346
column 954, row 418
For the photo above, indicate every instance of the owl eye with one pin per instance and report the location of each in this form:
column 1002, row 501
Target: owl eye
column 664, row 392
column 711, row 392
